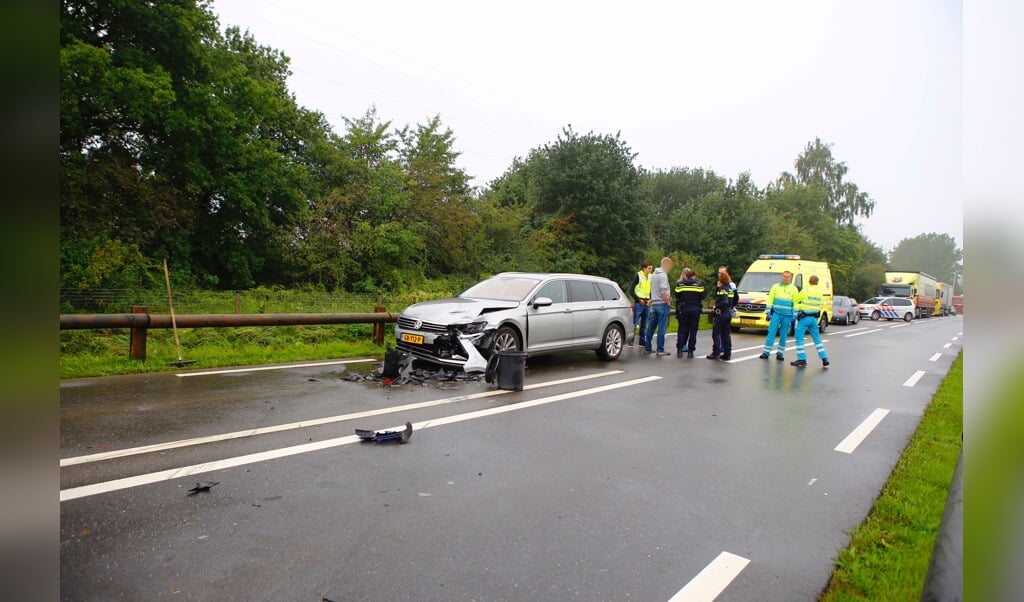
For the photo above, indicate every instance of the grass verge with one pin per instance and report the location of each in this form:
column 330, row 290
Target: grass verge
column 889, row 553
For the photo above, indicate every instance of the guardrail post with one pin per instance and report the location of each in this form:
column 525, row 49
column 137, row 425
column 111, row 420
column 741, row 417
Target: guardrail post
column 378, row 327
column 238, row 302
column 137, row 342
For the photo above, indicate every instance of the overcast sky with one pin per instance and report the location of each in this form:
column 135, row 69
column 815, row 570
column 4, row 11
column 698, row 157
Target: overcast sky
column 726, row 86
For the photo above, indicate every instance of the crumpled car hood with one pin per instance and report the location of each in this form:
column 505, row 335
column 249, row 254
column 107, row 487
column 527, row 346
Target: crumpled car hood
column 455, row 310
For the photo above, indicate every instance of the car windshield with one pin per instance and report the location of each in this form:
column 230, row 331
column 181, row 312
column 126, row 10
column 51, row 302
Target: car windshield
column 759, row 281
column 838, row 301
column 896, row 290
column 506, row 288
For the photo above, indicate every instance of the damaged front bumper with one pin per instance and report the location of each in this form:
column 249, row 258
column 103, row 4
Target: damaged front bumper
column 461, row 346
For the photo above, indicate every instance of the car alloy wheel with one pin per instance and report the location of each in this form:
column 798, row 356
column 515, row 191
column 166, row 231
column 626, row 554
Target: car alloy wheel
column 875, row 315
column 908, row 317
column 611, row 343
column 506, row 340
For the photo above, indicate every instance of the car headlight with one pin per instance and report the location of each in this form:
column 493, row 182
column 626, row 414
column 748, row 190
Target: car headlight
column 472, row 327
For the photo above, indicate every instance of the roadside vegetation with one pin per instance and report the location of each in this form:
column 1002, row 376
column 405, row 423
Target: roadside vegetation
column 85, row 353
column 889, row 553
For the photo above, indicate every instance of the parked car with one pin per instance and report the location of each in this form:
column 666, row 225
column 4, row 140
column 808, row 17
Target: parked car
column 890, row 308
column 535, row 313
column 844, row 310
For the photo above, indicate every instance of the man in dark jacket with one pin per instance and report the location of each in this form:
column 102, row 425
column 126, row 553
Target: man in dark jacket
column 689, row 295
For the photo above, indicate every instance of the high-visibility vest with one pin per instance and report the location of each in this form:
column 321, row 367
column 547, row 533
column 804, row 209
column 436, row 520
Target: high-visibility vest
column 643, row 285
column 780, row 299
column 809, row 300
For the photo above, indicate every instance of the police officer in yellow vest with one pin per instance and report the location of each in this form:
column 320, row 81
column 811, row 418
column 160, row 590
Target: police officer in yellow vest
column 808, row 312
column 641, row 291
column 780, row 313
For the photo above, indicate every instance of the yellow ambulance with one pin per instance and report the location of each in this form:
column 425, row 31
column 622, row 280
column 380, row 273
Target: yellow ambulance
column 767, row 270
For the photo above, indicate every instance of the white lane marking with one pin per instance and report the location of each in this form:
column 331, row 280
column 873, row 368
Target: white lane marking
column 761, row 347
column 955, row 338
column 185, row 471
column 713, row 579
column 845, row 331
column 897, row 326
column 811, row 482
column 865, row 332
column 861, row 432
column 947, row 345
column 258, row 368
column 910, row 382
column 120, row 453
column 935, row 357
column 959, row 334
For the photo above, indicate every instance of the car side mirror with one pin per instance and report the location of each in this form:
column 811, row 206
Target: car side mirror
column 542, row 302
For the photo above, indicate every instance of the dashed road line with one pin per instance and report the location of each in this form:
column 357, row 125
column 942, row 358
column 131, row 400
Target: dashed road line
column 713, row 579
column 860, row 433
column 935, row 357
column 910, row 382
column 857, row 334
column 947, row 345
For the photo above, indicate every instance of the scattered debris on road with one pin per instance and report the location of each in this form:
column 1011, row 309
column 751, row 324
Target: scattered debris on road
column 386, row 436
column 203, row 486
column 397, row 369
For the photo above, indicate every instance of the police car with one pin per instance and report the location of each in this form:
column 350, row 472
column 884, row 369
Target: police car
column 889, row 308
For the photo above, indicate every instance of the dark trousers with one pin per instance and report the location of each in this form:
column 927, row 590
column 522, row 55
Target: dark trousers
column 689, row 321
column 721, row 334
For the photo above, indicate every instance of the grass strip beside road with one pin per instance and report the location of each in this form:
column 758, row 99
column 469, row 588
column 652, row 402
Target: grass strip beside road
column 889, row 553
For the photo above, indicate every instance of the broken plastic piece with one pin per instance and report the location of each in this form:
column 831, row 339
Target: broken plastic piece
column 386, row 436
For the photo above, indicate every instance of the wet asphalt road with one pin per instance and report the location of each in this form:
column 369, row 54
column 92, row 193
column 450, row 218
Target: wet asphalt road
column 624, row 484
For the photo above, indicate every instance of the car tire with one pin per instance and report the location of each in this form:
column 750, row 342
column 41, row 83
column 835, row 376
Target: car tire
column 611, row 343
column 875, row 315
column 847, row 322
column 506, row 339
column 908, row 317
column 822, row 324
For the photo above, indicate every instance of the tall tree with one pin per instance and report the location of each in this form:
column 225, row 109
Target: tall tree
column 843, row 200
column 178, row 139
column 932, row 253
column 592, row 194
column 674, row 194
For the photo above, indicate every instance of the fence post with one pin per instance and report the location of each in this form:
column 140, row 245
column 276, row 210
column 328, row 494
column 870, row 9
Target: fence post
column 238, row 302
column 137, row 342
column 378, row 327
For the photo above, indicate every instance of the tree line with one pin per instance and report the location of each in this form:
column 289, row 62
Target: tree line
column 181, row 141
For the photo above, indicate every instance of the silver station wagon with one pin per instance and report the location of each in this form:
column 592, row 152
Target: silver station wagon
column 518, row 312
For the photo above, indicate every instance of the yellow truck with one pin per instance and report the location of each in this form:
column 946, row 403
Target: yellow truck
column 767, row 270
column 918, row 286
column 943, row 299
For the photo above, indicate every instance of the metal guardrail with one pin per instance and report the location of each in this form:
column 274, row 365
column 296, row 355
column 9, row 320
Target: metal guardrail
column 140, row 322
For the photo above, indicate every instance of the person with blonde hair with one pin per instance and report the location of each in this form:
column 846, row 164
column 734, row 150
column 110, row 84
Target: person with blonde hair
column 689, row 298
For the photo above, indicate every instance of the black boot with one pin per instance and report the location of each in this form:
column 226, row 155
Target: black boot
column 689, row 355
column 763, row 356
column 799, row 363
column 711, row 356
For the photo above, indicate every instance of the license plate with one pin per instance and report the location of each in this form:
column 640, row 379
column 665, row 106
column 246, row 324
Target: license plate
column 412, row 338
column 748, row 321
